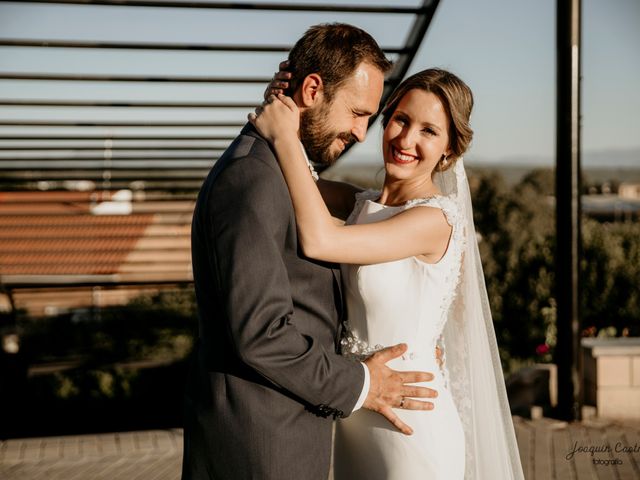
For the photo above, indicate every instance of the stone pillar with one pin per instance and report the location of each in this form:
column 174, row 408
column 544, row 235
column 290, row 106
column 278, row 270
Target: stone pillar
column 612, row 376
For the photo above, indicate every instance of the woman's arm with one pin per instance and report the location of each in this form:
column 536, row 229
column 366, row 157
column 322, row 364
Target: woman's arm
column 338, row 196
column 417, row 231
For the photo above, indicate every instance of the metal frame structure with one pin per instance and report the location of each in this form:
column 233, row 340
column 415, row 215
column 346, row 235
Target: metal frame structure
column 124, row 160
column 163, row 169
column 568, row 209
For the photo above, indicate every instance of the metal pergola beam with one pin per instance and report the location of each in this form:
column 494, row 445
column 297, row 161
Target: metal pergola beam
column 17, row 42
column 90, row 169
column 102, row 148
column 101, row 158
column 167, row 186
column 281, row 7
column 115, row 171
column 170, row 175
column 120, row 104
column 414, row 40
column 74, row 77
column 83, row 77
column 75, row 237
column 116, row 123
column 116, row 138
column 567, row 353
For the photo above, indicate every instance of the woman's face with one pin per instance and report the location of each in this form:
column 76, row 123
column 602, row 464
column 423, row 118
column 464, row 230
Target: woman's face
column 416, row 136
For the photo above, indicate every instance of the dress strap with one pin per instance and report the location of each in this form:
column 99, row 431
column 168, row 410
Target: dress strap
column 445, row 203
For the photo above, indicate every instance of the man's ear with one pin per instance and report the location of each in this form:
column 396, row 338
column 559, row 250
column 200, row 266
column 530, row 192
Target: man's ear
column 311, row 90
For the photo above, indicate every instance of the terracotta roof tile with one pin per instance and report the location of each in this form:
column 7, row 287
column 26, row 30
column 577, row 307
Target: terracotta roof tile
column 69, row 240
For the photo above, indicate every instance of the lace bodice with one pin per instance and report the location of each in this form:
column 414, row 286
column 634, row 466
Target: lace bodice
column 405, row 300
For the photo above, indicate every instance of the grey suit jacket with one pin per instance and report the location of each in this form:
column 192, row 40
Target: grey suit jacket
column 266, row 379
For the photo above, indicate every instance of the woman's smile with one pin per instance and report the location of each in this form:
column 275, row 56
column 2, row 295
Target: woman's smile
column 402, row 158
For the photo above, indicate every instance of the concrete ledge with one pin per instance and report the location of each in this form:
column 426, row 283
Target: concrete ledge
column 612, row 376
column 612, row 346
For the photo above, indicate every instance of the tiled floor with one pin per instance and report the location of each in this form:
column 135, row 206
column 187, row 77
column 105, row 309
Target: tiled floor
column 148, row 455
column 545, row 448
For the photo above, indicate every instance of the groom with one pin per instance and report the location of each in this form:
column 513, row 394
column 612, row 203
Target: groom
column 266, row 379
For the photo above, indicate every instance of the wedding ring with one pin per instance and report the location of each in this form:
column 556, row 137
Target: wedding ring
column 402, row 403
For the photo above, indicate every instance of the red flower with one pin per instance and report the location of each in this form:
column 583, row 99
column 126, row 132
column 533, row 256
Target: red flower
column 542, row 349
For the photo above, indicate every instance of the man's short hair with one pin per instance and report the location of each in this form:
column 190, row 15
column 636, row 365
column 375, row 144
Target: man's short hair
column 333, row 51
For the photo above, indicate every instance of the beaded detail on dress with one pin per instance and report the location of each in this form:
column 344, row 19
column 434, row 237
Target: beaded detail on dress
column 353, row 347
column 457, row 245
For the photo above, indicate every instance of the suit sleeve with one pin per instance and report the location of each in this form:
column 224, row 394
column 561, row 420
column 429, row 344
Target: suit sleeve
column 249, row 223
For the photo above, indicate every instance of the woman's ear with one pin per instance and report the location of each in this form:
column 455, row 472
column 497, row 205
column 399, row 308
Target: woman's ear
column 311, row 90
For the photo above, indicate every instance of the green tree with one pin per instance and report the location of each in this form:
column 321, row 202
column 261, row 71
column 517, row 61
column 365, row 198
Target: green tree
column 611, row 276
column 517, row 230
column 516, row 227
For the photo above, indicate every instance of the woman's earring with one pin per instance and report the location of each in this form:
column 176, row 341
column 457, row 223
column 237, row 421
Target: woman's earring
column 444, row 161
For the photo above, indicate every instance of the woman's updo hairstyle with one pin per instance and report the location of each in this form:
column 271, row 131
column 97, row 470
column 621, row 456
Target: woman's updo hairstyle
column 456, row 97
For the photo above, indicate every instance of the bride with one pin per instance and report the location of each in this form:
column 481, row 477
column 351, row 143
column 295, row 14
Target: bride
column 413, row 275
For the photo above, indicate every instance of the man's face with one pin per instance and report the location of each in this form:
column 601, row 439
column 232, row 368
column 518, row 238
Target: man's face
column 327, row 128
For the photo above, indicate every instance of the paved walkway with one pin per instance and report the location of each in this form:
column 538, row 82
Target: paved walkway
column 603, row 449
column 148, row 455
column 545, row 448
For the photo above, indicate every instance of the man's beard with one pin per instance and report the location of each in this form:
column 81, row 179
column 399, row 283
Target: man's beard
column 317, row 136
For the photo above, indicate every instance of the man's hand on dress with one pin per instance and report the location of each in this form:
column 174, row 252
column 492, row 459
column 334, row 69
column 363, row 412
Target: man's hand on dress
column 390, row 389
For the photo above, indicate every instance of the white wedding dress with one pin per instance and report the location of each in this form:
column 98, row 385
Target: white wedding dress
column 404, row 301
column 469, row 434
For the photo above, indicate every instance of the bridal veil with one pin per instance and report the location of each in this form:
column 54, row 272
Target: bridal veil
column 471, row 360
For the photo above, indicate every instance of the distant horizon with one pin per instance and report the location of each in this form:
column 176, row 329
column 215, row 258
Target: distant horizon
column 597, row 158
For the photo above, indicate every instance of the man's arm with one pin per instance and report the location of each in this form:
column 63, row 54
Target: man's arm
column 249, row 231
column 249, row 224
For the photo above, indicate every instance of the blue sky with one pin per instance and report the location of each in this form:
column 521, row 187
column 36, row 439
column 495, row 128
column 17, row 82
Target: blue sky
column 504, row 49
